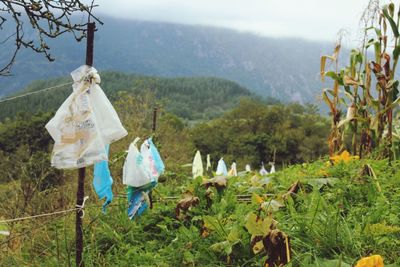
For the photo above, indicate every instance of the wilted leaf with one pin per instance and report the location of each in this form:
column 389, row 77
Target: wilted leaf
column 328, row 101
column 323, row 63
column 350, row 81
column 186, row 203
column 258, row 247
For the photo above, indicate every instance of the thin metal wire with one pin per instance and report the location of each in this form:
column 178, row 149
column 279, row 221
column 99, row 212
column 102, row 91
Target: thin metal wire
column 78, row 207
column 35, row 92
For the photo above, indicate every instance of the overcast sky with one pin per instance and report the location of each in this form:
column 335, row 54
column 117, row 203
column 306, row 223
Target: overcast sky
column 308, row 19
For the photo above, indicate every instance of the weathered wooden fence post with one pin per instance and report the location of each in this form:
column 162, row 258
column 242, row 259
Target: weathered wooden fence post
column 82, row 171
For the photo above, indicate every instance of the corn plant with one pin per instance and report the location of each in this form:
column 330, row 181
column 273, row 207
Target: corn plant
column 369, row 115
column 331, row 97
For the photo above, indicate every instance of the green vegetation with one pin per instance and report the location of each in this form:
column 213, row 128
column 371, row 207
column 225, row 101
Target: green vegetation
column 337, row 214
column 315, row 211
column 255, row 132
column 189, row 98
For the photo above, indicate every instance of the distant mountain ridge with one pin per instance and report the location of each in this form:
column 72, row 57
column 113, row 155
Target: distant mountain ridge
column 286, row 69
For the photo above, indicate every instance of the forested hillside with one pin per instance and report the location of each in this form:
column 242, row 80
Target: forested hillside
column 190, row 98
column 285, row 68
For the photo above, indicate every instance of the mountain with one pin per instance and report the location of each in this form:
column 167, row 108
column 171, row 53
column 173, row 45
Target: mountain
column 196, row 98
column 286, row 69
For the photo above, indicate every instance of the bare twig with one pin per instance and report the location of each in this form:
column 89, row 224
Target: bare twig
column 47, row 18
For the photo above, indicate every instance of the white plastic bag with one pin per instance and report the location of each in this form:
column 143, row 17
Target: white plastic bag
column 221, row 168
column 148, row 161
column 248, row 168
column 263, row 171
column 272, row 167
column 135, row 171
column 208, row 166
column 197, row 166
column 233, row 171
column 84, row 123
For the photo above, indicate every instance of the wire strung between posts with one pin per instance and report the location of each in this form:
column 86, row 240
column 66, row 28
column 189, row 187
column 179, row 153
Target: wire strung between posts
column 78, row 207
column 35, row 92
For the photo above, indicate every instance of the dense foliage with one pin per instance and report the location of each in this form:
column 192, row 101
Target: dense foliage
column 254, row 132
column 190, row 98
column 340, row 212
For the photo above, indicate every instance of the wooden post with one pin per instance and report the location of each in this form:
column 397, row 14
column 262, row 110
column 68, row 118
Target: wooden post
column 154, row 131
column 154, row 120
column 82, row 171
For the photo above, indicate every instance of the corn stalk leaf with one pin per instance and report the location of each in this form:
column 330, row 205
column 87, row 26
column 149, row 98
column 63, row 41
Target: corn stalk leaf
column 328, row 101
column 396, row 52
column 350, row 81
column 323, row 64
column 391, row 21
column 332, row 74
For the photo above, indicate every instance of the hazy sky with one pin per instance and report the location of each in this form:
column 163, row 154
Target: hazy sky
column 309, row 19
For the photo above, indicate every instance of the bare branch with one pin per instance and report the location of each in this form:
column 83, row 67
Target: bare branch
column 48, row 19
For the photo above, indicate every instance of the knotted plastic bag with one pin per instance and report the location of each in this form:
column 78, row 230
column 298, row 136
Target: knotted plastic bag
column 84, row 123
column 136, row 170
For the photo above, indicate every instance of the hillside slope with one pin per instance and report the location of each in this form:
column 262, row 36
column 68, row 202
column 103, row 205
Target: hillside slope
column 189, row 98
column 282, row 68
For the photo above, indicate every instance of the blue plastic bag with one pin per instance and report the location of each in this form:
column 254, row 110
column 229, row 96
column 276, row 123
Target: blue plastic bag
column 138, row 199
column 103, row 181
column 156, row 157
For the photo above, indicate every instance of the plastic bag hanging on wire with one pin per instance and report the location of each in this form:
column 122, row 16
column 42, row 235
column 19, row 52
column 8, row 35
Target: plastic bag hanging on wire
column 208, row 166
column 221, row 168
column 136, row 170
column 148, row 161
column 138, row 201
column 233, row 170
column 272, row 167
column 159, row 164
column 197, row 166
column 84, row 123
column 263, row 171
column 102, row 181
column 248, row 168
